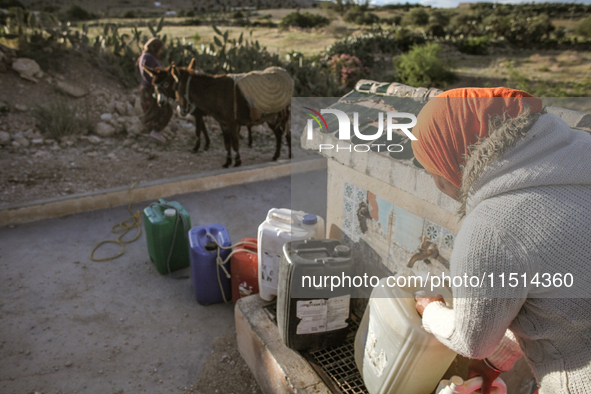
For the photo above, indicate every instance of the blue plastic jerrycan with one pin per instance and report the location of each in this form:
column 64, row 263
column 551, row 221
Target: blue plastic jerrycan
column 211, row 284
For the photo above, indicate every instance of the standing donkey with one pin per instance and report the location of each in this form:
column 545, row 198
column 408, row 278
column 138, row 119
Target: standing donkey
column 220, row 97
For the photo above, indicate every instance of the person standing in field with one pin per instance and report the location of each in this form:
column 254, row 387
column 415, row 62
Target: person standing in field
column 155, row 117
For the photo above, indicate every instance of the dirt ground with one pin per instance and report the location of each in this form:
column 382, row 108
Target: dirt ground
column 225, row 371
column 48, row 168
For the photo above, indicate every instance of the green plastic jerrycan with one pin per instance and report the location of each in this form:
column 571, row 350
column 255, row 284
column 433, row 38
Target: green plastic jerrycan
column 159, row 225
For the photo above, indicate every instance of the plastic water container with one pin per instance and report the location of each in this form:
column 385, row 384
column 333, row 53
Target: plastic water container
column 210, row 282
column 159, row 226
column 281, row 226
column 456, row 385
column 245, row 270
column 392, row 350
column 312, row 315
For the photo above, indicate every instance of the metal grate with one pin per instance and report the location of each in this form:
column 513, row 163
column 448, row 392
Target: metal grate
column 337, row 367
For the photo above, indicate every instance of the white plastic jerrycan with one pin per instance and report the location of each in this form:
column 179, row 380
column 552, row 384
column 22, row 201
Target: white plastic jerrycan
column 456, row 385
column 393, row 352
column 281, row 226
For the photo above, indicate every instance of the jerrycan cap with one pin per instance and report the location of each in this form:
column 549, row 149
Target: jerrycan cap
column 342, row 251
column 169, row 212
column 309, row 219
column 210, row 246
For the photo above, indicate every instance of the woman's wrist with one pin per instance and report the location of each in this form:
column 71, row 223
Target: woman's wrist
column 491, row 366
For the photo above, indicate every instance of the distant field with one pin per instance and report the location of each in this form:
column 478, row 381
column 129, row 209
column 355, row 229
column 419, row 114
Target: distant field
column 309, row 42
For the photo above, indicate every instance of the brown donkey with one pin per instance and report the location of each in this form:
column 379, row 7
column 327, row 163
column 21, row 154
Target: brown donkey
column 218, row 96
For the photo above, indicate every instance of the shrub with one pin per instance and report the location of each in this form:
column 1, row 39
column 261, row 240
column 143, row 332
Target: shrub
column 129, row 14
column 583, row 27
column 394, row 21
column 416, row 17
column 348, row 69
column 359, row 17
column 438, row 18
column 364, row 46
column 464, row 24
column 59, row 119
column 304, row 20
column 473, row 45
column 435, row 30
column 77, row 13
column 423, row 66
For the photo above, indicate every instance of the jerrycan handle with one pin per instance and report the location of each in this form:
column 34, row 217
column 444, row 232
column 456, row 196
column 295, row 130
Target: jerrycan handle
column 161, row 201
column 280, row 217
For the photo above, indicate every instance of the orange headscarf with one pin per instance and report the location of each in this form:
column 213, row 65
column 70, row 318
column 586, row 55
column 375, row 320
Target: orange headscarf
column 458, row 118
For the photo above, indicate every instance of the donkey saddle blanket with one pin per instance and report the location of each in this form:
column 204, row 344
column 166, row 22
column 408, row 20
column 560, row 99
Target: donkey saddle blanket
column 266, row 91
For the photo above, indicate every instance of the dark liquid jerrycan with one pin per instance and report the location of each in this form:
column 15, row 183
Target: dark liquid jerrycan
column 160, row 221
column 312, row 315
column 211, row 282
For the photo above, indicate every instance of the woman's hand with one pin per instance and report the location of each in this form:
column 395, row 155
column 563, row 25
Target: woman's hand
column 423, row 301
column 480, row 368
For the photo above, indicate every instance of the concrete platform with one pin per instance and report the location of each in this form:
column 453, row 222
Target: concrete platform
column 276, row 368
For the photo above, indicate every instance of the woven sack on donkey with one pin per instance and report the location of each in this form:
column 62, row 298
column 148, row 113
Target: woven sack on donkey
column 267, row 91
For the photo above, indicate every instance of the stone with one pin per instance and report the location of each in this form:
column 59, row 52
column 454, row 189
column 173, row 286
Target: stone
column 4, row 138
column 37, row 141
column 21, row 107
column 120, row 108
column 16, row 145
column 49, row 141
column 128, row 108
column 106, row 117
column 137, row 108
column 134, row 129
column 30, row 134
column 93, row 139
column 71, row 89
column 27, row 69
column 104, row 129
column 4, row 107
column 23, row 142
column 92, row 154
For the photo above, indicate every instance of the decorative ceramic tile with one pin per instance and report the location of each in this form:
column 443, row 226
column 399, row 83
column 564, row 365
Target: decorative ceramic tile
column 360, row 194
column 432, row 231
column 349, row 207
column 348, row 225
column 349, row 188
column 448, row 240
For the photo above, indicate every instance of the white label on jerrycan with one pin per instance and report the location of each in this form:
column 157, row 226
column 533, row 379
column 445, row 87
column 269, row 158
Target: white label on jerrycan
column 322, row 315
column 281, row 226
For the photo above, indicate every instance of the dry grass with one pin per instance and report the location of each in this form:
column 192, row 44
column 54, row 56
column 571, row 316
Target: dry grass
column 549, row 65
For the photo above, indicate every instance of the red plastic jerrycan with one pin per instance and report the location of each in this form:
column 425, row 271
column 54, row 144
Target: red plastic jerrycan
column 245, row 270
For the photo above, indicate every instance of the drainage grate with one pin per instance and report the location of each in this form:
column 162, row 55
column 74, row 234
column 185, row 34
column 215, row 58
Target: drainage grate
column 336, row 366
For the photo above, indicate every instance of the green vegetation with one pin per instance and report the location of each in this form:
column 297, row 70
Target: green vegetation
column 360, row 17
column 482, row 29
column 59, row 119
column 77, row 13
column 423, row 66
column 304, row 20
column 583, row 27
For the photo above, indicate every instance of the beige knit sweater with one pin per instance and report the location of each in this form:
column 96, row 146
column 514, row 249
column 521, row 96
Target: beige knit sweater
column 528, row 211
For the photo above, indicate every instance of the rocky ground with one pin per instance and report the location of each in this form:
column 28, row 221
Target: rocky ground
column 36, row 165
